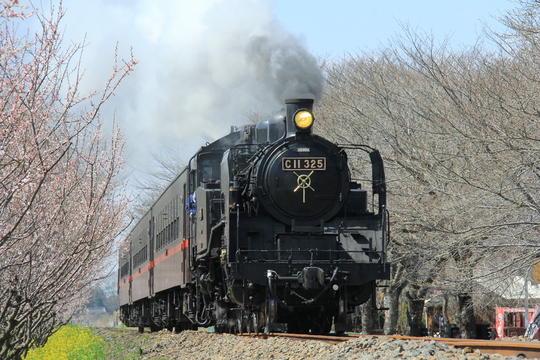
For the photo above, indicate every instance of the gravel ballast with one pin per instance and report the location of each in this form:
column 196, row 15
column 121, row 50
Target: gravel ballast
column 199, row 345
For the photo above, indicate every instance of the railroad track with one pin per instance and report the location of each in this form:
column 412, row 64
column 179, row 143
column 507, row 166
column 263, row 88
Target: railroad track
column 330, row 339
column 524, row 349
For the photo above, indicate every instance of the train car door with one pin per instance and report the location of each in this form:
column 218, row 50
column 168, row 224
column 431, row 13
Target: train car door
column 151, row 252
column 185, row 233
column 130, row 279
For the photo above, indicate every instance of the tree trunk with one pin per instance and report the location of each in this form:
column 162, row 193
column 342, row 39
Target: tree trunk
column 415, row 298
column 467, row 323
column 391, row 301
column 367, row 311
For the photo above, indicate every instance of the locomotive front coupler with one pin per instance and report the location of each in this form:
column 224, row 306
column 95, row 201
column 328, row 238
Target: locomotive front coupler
column 311, row 278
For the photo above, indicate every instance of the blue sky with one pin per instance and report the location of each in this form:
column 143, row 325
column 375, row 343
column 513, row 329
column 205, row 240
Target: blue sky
column 335, row 27
column 195, row 78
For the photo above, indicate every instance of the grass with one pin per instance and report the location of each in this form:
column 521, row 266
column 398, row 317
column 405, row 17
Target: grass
column 123, row 343
column 124, row 348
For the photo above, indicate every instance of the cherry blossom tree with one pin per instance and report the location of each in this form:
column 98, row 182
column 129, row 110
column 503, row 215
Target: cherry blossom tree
column 61, row 204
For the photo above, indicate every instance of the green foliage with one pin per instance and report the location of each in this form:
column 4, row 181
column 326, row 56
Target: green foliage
column 71, row 342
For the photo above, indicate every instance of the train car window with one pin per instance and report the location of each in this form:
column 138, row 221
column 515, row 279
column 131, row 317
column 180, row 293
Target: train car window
column 124, row 270
column 192, row 184
column 141, row 256
column 164, row 235
column 168, row 223
column 209, row 167
column 159, row 223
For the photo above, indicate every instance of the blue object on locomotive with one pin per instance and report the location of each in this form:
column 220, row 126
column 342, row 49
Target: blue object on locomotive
column 191, row 204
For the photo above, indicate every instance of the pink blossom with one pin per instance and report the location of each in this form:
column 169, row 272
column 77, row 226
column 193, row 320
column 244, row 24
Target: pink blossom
column 61, row 205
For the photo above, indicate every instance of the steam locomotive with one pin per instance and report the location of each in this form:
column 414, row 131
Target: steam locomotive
column 264, row 230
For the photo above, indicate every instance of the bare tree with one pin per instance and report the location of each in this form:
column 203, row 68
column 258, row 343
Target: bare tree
column 151, row 182
column 392, row 296
column 61, row 206
column 459, row 131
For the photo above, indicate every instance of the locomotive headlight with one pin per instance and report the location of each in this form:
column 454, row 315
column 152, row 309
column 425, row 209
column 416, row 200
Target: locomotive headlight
column 303, row 119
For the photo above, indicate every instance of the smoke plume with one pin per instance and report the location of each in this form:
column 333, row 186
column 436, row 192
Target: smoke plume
column 202, row 65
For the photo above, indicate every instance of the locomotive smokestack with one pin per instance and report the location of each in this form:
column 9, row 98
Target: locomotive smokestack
column 293, row 106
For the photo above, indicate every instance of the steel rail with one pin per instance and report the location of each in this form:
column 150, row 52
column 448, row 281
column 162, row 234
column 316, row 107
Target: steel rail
column 524, row 349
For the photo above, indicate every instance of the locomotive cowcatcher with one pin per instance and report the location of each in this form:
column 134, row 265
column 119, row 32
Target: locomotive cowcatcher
column 264, row 230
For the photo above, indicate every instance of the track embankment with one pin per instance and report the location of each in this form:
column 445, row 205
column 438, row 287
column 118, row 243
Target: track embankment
column 196, row 345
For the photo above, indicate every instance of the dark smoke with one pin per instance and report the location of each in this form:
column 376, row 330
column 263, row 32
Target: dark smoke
column 285, row 67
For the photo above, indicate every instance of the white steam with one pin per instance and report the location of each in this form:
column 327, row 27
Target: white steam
column 202, row 64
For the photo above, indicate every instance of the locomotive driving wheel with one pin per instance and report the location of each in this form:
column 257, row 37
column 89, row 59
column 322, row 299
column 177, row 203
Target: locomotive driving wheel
column 256, row 321
column 271, row 312
column 240, row 322
column 252, row 321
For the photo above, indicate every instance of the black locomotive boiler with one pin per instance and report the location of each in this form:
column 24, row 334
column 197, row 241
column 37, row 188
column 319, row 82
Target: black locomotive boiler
column 265, row 229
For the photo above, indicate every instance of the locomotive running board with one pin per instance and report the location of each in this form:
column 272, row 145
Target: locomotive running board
column 315, row 229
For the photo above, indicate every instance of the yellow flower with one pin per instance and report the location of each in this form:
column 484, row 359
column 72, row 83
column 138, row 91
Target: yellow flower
column 70, row 342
